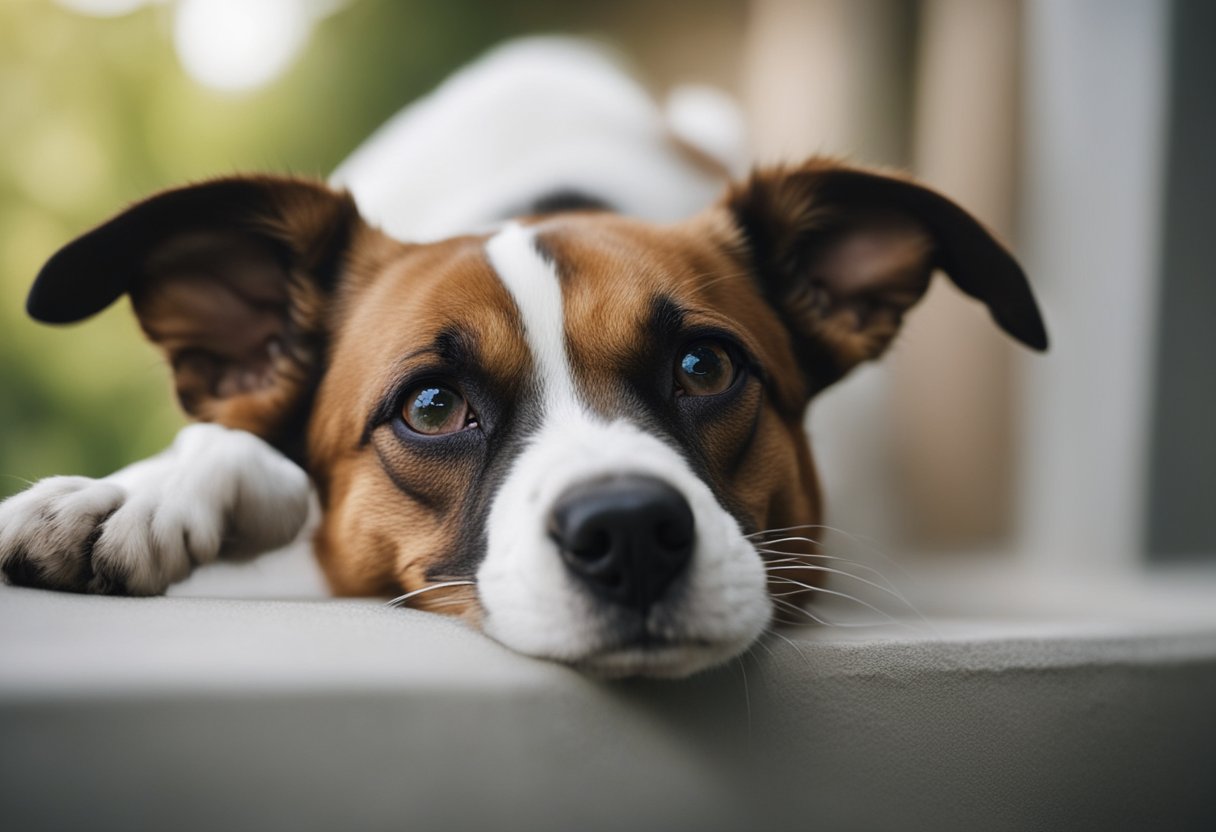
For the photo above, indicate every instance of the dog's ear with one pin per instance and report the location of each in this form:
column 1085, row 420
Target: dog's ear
column 842, row 253
column 230, row 278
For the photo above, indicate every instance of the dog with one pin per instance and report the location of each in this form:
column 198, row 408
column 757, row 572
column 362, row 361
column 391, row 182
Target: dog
column 537, row 374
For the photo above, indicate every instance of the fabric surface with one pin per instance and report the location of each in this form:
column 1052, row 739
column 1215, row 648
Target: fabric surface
column 204, row 713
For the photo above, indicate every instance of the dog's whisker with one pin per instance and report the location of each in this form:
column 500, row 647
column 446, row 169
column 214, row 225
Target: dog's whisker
column 769, row 544
column 401, row 599
column 747, row 696
column 788, row 593
column 868, row 545
column 792, row 644
column 796, row 557
column 790, row 559
column 767, row 649
column 799, row 538
column 766, row 547
column 861, row 538
column 844, row 595
column 802, row 611
column 817, row 556
column 839, row 625
column 780, row 529
column 793, row 560
column 449, row 602
column 799, row 562
column 810, row 567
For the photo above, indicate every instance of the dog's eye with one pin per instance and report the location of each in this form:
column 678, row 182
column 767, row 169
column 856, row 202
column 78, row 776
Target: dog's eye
column 704, row 369
column 432, row 410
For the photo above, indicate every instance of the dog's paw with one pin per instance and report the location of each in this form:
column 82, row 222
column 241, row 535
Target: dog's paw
column 48, row 534
column 215, row 493
column 260, row 496
column 160, row 533
column 78, row 534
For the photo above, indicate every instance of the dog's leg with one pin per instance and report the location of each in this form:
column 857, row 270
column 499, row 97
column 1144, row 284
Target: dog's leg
column 214, row 493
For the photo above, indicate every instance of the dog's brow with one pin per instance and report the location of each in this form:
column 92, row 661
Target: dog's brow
column 455, row 346
column 667, row 316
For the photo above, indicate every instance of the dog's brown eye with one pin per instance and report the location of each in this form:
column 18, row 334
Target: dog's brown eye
column 704, row 369
column 432, row 409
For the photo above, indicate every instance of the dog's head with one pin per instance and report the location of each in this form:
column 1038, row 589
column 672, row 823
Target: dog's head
column 573, row 423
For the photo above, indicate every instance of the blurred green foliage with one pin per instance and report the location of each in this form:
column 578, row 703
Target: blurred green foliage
column 96, row 113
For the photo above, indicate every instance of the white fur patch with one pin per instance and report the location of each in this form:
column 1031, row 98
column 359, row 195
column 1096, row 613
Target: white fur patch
column 537, row 292
column 214, row 493
column 531, row 602
column 531, row 118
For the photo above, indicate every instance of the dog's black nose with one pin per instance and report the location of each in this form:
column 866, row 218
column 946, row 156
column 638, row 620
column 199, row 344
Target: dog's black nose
column 626, row 537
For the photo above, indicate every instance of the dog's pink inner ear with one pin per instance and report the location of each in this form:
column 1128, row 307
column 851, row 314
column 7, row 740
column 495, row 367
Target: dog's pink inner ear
column 218, row 303
column 858, row 280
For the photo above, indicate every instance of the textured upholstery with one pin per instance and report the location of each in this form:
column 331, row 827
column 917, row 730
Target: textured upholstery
column 204, row 713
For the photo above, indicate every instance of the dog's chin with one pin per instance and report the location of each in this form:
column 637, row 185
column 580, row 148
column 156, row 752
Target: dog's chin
column 658, row 661
column 682, row 636
column 668, row 643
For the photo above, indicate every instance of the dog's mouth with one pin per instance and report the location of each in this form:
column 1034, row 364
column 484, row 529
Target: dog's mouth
column 642, row 651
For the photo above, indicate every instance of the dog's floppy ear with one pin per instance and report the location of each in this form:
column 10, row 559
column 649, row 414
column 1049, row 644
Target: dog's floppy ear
column 230, row 279
column 842, row 253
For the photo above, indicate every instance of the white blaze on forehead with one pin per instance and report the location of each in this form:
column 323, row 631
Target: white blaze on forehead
column 533, row 283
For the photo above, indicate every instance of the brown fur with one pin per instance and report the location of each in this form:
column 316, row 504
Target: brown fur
column 374, row 540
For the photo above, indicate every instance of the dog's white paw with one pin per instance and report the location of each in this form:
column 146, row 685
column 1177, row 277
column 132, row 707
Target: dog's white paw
column 47, row 533
column 215, row 493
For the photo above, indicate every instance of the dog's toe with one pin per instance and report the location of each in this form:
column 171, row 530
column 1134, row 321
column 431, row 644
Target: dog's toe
column 148, row 544
column 22, row 570
column 47, row 533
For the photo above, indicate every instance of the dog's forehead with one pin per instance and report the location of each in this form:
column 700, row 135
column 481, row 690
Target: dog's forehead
column 617, row 273
column 427, row 292
column 625, row 284
column 578, row 292
column 610, row 273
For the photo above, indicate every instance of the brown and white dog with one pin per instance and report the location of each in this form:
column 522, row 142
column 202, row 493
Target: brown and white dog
column 563, row 426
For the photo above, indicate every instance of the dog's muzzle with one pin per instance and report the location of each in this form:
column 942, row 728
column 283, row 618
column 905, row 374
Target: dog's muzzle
column 625, row 538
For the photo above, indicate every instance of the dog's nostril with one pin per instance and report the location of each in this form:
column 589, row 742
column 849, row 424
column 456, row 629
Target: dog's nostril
column 625, row 537
column 612, row 579
column 673, row 535
column 597, row 546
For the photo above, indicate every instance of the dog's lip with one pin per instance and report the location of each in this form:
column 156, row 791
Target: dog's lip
column 645, row 645
column 636, row 634
column 654, row 658
column 647, row 642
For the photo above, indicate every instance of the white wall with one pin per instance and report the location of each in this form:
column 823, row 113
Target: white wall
column 1095, row 101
